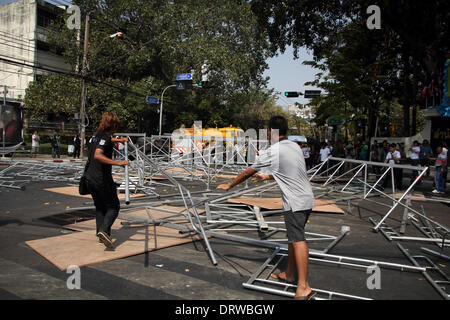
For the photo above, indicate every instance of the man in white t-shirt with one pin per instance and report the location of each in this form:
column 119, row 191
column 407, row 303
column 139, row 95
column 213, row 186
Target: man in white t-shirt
column 34, row 145
column 393, row 157
column 307, row 155
column 285, row 163
column 324, row 152
column 415, row 152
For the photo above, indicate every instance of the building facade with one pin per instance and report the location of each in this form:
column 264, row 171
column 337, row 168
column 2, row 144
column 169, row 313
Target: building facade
column 23, row 43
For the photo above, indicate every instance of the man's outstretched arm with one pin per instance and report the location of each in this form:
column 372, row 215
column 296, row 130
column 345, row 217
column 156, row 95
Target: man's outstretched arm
column 244, row 175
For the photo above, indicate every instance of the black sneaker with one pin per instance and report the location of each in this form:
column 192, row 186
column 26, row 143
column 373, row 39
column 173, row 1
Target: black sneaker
column 105, row 239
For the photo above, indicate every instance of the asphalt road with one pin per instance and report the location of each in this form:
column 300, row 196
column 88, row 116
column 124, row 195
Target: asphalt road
column 185, row 271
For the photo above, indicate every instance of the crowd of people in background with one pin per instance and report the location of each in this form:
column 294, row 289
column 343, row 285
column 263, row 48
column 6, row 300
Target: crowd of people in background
column 421, row 155
column 74, row 149
column 55, row 142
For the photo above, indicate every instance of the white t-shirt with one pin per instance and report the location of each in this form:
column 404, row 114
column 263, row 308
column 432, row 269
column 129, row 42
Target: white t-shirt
column 391, row 156
column 414, row 155
column 35, row 141
column 441, row 158
column 324, row 153
column 285, row 162
column 306, row 152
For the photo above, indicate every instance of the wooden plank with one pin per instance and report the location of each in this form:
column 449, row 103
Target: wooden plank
column 73, row 191
column 331, row 208
column 277, row 204
column 272, row 203
column 414, row 196
column 88, row 225
column 83, row 248
column 226, row 176
column 266, row 203
column 184, row 171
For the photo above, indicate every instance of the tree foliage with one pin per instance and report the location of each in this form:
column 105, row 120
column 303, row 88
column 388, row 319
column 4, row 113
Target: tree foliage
column 162, row 39
column 367, row 68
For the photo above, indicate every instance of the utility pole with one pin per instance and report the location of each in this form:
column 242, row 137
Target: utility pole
column 161, row 108
column 83, row 86
column 5, row 91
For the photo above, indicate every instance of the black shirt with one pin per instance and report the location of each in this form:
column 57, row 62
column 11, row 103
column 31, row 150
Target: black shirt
column 99, row 173
column 77, row 142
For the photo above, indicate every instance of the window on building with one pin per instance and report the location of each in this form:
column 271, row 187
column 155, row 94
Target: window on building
column 45, row 18
column 40, row 45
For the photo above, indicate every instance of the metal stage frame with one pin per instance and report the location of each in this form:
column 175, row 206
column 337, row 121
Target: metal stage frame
column 156, row 163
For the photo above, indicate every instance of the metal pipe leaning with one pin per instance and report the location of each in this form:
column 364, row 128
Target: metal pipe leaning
column 127, row 178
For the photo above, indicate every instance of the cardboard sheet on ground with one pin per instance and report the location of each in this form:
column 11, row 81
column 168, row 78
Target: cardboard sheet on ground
column 88, row 225
column 414, row 196
column 174, row 171
column 226, row 176
column 73, row 191
column 277, row 204
column 83, row 248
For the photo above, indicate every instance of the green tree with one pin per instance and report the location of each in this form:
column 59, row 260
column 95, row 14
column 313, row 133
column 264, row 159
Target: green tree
column 162, row 39
column 417, row 31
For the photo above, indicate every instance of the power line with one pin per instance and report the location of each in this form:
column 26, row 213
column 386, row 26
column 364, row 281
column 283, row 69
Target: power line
column 15, row 72
column 91, row 71
column 19, row 41
column 16, row 42
column 28, row 61
column 71, row 75
column 11, row 46
column 11, row 35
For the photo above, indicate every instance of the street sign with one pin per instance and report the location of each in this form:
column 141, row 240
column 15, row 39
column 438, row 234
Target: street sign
column 152, row 100
column 335, row 122
column 184, row 76
column 312, row 93
column 180, row 85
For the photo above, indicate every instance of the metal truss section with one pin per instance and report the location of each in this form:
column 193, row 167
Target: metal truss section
column 11, row 149
column 259, row 281
column 442, row 284
column 39, row 171
column 190, row 213
column 436, row 254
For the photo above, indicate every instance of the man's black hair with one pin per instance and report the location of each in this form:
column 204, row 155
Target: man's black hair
column 280, row 123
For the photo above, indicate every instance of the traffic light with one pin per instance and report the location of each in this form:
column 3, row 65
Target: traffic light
column 291, row 94
column 204, row 84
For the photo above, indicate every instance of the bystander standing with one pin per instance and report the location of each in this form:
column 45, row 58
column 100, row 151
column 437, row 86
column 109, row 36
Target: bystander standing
column 441, row 171
column 424, row 155
column 415, row 154
column 34, row 145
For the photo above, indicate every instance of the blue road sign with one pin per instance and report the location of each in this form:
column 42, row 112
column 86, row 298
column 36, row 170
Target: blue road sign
column 184, row 76
column 152, row 100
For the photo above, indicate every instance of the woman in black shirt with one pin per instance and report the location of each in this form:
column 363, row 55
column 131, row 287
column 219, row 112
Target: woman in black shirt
column 99, row 176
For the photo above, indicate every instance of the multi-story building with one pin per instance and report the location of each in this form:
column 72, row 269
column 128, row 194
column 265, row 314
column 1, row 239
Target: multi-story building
column 23, row 43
